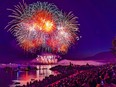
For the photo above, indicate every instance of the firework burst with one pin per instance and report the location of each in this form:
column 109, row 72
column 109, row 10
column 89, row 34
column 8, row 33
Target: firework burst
column 43, row 25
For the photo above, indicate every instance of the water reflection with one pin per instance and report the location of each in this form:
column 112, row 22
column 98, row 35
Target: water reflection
column 22, row 77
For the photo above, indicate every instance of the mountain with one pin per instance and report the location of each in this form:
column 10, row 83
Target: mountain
column 80, row 62
column 98, row 59
column 106, row 56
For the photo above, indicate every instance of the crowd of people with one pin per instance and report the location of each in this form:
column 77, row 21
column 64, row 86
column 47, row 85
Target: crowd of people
column 79, row 76
column 100, row 76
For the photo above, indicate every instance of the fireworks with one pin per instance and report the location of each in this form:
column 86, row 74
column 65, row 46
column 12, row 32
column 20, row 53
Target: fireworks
column 46, row 59
column 43, row 25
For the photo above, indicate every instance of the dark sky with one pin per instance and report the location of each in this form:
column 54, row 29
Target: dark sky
column 97, row 20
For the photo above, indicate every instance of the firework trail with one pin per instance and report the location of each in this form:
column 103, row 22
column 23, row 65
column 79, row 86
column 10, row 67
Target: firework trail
column 43, row 25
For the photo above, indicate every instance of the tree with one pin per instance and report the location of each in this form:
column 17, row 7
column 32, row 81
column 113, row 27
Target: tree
column 114, row 45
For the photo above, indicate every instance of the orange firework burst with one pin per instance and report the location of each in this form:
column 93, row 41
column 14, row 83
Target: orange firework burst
column 45, row 21
column 43, row 25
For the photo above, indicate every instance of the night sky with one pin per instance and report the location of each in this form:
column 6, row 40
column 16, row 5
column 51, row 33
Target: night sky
column 97, row 19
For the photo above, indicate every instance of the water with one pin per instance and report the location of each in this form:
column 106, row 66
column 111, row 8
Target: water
column 10, row 78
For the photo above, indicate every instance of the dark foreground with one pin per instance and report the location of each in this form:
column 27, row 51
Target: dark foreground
column 79, row 76
column 59, row 76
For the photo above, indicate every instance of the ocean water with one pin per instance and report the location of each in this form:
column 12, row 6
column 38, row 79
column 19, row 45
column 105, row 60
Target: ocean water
column 12, row 78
